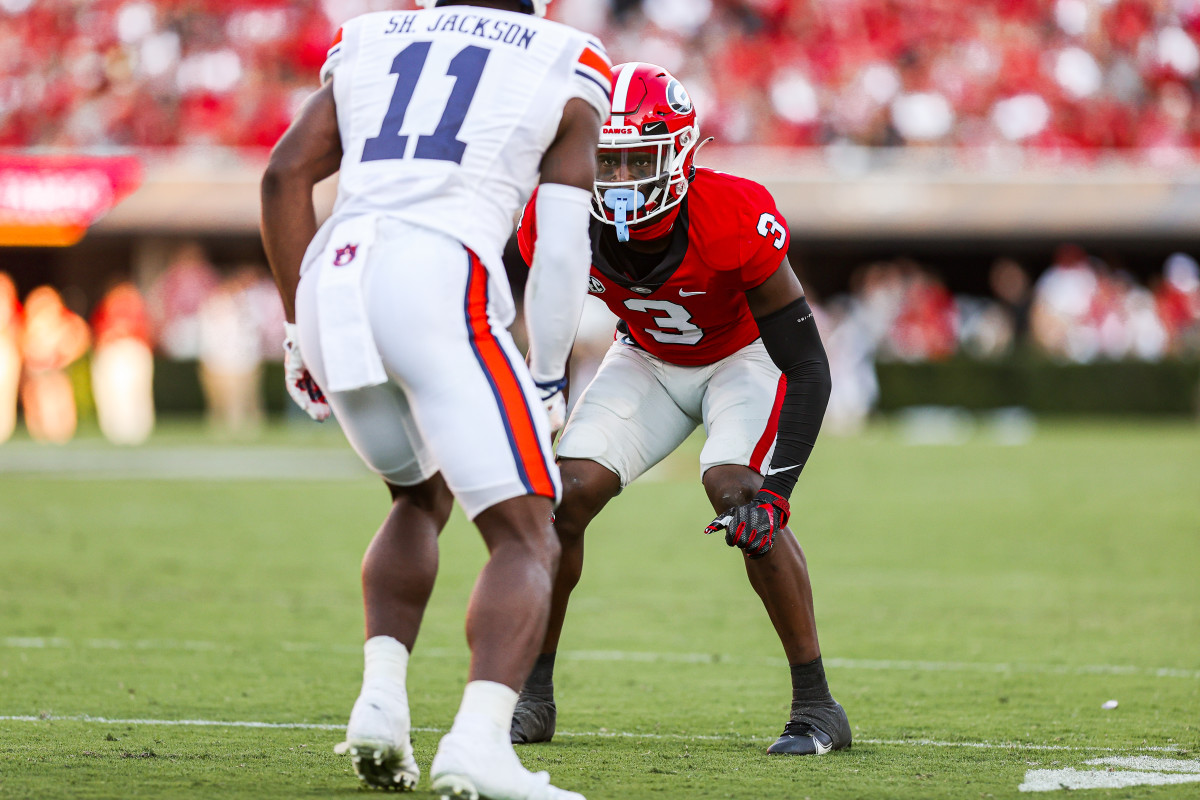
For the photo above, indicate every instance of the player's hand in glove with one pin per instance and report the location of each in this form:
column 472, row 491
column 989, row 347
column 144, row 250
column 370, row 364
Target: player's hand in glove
column 753, row 526
column 554, row 400
column 299, row 380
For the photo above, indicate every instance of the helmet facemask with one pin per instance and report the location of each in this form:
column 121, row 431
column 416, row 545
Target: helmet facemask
column 639, row 178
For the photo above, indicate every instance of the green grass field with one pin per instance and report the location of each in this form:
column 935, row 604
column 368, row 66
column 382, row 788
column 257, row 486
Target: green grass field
column 977, row 605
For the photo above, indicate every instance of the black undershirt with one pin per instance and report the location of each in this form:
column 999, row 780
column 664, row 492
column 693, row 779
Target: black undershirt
column 636, row 264
column 635, row 270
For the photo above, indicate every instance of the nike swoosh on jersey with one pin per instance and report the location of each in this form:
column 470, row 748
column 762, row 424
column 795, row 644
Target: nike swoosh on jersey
column 782, row 469
column 682, row 293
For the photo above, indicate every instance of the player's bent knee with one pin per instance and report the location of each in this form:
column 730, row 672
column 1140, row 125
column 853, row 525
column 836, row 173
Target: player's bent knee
column 587, row 488
column 730, row 485
column 533, row 546
column 432, row 496
column 552, row 552
column 583, row 441
column 521, row 522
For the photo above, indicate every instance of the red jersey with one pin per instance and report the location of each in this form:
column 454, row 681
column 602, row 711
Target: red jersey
column 689, row 308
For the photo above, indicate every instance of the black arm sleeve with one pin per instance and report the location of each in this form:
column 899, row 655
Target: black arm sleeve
column 791, row 338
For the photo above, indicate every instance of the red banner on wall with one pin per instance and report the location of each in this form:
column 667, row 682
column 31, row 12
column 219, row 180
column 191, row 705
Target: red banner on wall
column 51, row 201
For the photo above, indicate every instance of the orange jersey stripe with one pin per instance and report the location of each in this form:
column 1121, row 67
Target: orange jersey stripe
column 514, row 406
column 590, row 58
column 337, row 39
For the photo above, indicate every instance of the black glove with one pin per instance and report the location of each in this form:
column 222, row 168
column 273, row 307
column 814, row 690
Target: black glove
column 752, row 526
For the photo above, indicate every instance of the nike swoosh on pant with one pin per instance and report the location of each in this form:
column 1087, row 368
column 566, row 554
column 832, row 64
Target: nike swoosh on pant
column 783, row 469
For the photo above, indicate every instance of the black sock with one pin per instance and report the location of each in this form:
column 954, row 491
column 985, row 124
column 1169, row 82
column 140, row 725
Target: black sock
column 809, row 687
column 541, row 679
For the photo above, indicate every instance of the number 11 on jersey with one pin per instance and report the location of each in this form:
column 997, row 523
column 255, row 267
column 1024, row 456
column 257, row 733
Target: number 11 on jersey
column 443, row 144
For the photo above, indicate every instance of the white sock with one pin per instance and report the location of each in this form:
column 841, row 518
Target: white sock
column 385, row 666
column 487, row 707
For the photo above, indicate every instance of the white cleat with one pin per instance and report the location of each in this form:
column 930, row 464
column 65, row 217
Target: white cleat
column 476, row 768
column 458, row 787
column 378, row 743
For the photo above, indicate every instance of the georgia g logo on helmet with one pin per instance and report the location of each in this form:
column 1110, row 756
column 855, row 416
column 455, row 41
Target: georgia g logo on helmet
column 677, row 97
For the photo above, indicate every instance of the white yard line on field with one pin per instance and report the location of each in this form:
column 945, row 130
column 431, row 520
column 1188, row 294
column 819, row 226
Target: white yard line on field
column 1045, row 669
column 186, row 463
column 1132, row 771
column 201, row 723
column 606, row 734
column 896, row 665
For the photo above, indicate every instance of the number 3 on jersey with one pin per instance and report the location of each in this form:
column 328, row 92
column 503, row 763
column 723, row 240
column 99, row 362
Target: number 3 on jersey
column 677, row 319
column 769, row 226
column 443, row 144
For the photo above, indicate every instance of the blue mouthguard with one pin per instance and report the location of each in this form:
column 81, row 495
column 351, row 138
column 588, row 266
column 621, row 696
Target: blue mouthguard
column 621, row 202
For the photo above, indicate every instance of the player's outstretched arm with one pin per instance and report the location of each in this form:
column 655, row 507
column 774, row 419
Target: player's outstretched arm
column 790, row 335
column 562, row 254
column 307, row 153
column 571, row 158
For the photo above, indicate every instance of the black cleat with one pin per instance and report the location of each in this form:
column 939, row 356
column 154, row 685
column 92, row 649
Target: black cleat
column 816, row 732
column 533, row 719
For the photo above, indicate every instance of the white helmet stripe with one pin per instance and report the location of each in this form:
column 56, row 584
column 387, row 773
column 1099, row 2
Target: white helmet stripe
column 621, row 93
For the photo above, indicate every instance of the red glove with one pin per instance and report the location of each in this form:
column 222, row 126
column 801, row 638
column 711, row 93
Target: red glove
column 300, row 384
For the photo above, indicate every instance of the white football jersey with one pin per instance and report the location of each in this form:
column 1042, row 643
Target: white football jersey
column 444, row 114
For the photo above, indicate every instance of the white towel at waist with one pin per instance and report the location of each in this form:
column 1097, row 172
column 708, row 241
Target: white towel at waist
column 351, row 358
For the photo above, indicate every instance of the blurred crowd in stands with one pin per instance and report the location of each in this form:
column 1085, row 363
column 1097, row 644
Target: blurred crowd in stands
column 1069, row 77
column 229, row 320
column 53, row 360
column 1073, row 78
column 1079, row 310
column 149, row 73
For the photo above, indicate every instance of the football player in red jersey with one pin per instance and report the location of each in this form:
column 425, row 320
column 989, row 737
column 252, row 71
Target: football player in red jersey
column 714, row 330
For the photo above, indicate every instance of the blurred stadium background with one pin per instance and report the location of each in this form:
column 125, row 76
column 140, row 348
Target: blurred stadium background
column 995, row 208
column 994, row 204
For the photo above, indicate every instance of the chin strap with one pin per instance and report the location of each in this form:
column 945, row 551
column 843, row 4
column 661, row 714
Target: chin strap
column 621, row 202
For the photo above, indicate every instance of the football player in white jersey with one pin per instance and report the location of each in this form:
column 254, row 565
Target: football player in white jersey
column 439, row 122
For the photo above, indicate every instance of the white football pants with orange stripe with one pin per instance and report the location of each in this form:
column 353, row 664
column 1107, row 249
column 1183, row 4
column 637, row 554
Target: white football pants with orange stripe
column 458, row 397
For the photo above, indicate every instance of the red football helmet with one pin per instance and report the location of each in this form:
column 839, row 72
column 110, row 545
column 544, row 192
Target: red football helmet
column 644, row 161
